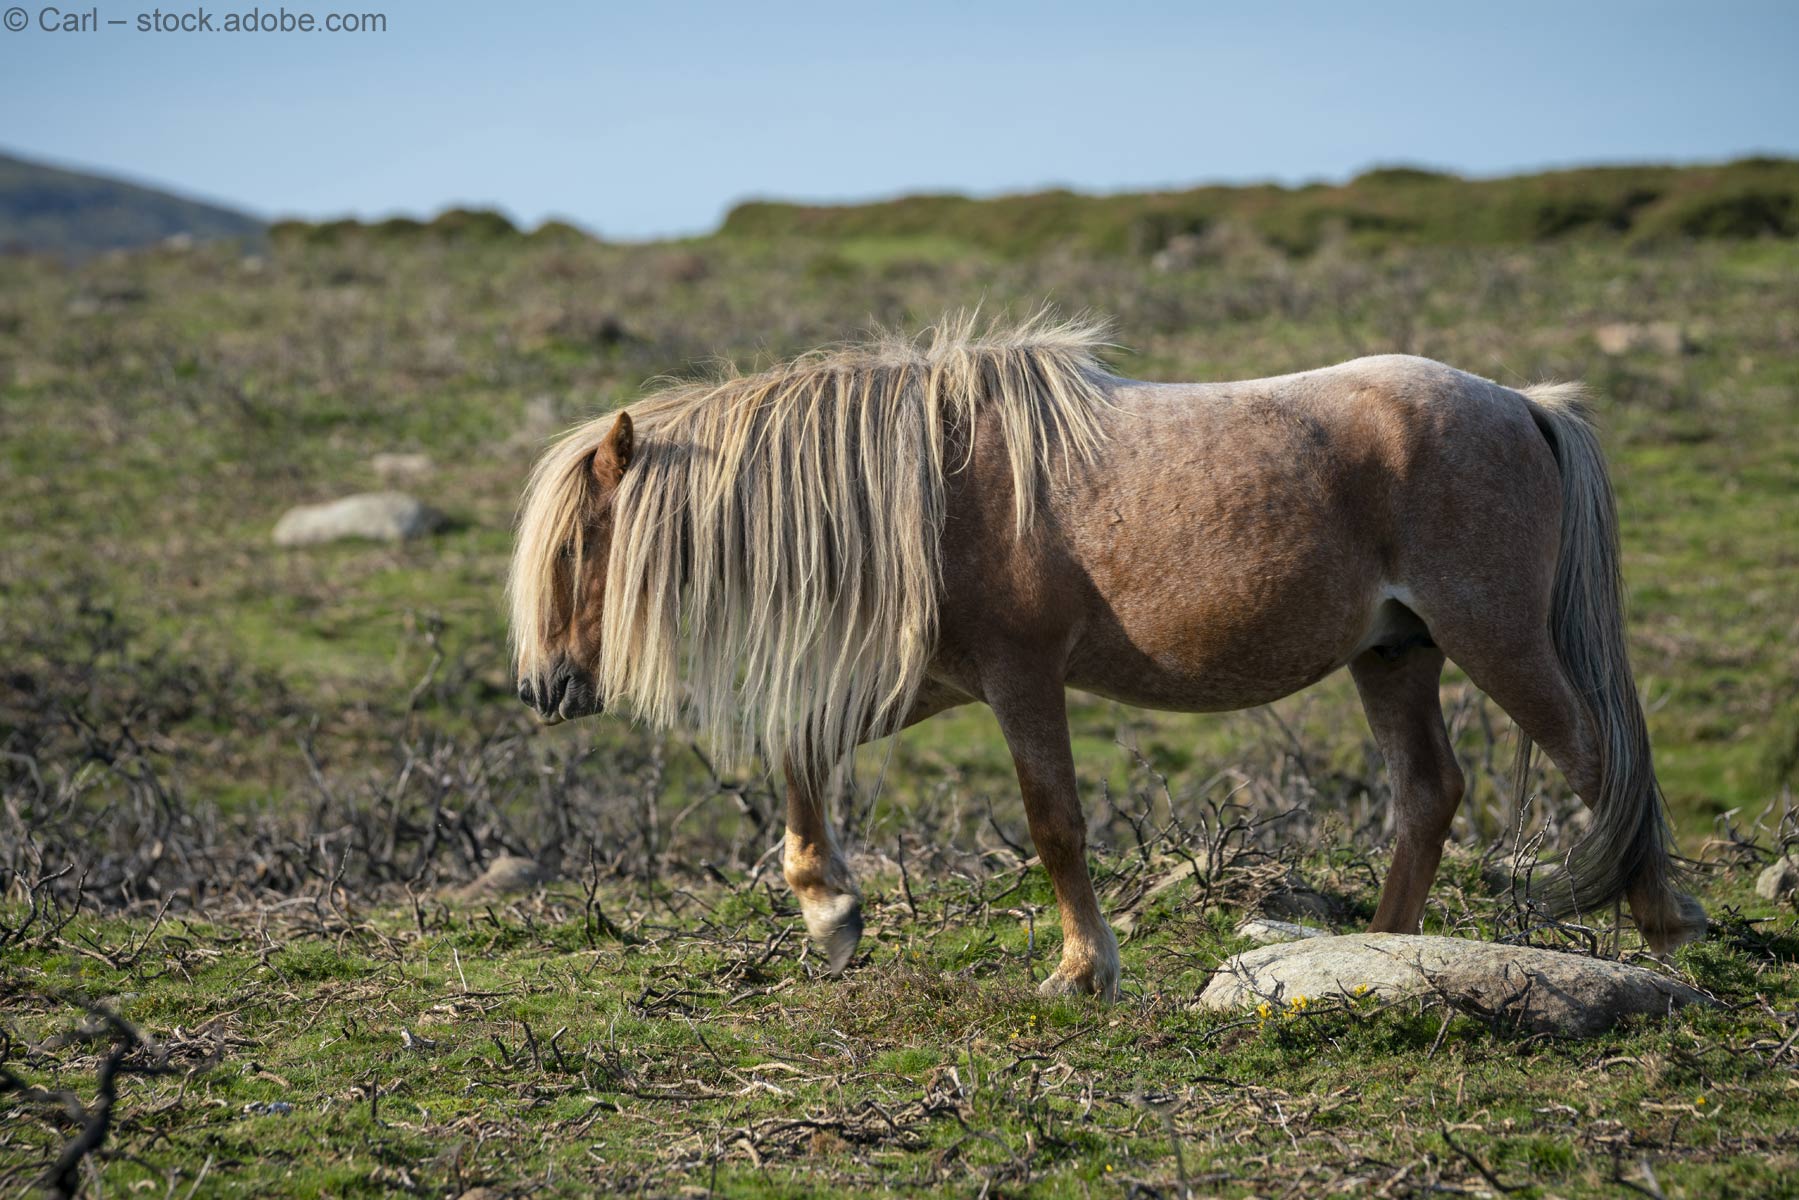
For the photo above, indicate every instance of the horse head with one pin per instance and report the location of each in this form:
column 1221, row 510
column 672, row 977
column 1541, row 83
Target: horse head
column 559, row 580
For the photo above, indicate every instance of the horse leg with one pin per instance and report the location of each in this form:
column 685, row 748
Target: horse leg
column 1520, row 670
column 1033, row 717
column 810, row 860
column 1399, row 696
column 815, row 870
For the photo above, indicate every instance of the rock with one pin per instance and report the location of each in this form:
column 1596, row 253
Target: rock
column 1266, row 931
column 1181, row 870
column 684, row 267
column 269, row 1108
column 1778, row 880
column 1499, row 877
column 504, row 875
column 401, row 468
column 1183, row 252
column 1544, row 991
column 1623, row 337
column 597, row 329
column 1296, row 902
column 541, row 419
column 1220, row 241
column 379, row 516
column 106, row 297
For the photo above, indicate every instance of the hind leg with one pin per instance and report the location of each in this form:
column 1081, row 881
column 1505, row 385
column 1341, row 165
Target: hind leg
column 1399, row 695
column 1517, row 666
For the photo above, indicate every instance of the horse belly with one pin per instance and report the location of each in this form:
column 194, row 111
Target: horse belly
column 1199, row 657
column 1214, row 615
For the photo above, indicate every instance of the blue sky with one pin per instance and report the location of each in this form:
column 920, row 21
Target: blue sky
column 649, row 118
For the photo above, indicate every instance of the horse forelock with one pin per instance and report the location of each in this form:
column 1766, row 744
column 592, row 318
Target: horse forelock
column 774, row 563
column 550, row 521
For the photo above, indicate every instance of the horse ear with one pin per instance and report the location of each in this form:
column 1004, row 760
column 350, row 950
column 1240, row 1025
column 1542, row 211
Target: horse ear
column 614, row 452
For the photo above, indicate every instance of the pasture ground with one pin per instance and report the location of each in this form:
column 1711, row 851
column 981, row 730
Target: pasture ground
column 238, row 784
column 675, row 1037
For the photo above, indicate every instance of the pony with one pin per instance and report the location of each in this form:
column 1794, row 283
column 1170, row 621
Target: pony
column 808, row 557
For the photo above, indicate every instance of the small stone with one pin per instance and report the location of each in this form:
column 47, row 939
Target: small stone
column 1183, row 252
column 1542, row 991
column 1296, row 902
column 1778, row 880
column 401, row 468
column 269, row 1108
column 1625, row 337
column 506, row 874
column 1183, row 869
column 542, row 418
column 1265, row 931
column 1218, row 242
column 376, row 516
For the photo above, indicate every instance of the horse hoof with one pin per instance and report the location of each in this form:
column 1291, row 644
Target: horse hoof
column 840, row 943
column 1668, row 921
column 1073, row 983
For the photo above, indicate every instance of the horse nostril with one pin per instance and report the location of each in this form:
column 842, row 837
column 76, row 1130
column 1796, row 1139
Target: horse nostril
column 553, row 690
column 526, row 693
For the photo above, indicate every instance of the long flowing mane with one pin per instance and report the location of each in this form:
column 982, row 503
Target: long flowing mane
column 774, row 565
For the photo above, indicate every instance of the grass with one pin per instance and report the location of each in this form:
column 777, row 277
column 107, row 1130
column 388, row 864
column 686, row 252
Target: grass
column 151, row 444
column 287, row 747
column 693, row 1048
column 1381, row 208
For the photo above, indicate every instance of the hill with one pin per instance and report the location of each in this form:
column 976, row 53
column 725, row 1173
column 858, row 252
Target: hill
column 75, row 214
column 1749, row 198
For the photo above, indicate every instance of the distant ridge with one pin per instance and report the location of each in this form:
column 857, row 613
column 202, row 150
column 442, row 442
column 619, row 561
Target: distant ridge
column 76, row 214
column 1752, row 197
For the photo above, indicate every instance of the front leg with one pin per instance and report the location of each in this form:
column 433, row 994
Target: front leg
column 815, row 870
column 1033, row 715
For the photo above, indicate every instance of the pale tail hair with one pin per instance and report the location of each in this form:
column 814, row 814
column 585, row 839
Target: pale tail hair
column 1628, row 845
column 775, row 564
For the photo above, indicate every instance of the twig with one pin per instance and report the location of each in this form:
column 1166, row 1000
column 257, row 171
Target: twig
column 1475, row 1162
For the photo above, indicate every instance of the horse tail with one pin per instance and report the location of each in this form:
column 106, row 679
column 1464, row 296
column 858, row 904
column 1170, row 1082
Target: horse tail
column 1627, row 850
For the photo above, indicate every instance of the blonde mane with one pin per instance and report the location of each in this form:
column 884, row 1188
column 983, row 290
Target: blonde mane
column 774, row 566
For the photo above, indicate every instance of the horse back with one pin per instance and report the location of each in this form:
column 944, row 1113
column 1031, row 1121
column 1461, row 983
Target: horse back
column 1231, row 543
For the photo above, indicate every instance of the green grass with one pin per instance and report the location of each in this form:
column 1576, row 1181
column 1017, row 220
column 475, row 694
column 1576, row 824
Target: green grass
column 151, row 444
column 1381, row 208
column 508, row 1045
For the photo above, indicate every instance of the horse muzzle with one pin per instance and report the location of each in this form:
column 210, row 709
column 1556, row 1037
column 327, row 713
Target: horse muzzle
column 560, row 694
